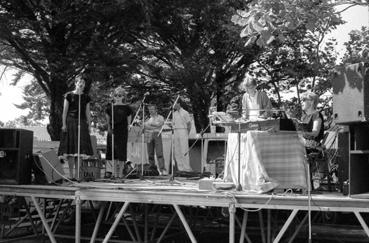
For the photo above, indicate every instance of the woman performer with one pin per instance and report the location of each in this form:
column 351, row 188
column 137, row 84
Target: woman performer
column 121, row 112
column 76, row 116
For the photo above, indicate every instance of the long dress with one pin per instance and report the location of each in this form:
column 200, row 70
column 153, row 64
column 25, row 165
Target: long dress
column 120, row 131
column 69, row 139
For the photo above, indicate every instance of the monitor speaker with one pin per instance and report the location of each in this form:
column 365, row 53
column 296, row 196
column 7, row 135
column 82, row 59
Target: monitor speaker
column 47, row 168
column 15, row 156
column 351, row 93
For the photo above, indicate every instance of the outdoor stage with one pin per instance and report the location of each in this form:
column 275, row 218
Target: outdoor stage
column 180, row 195
column 141, row 206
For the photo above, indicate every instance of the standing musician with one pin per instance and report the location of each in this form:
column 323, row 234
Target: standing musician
column 76, row 117
column 154, row 142
column 182, row 128
column 255, row 104
column 122, row 114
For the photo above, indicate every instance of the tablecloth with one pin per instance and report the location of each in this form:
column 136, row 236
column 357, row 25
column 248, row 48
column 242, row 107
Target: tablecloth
column 268, row 160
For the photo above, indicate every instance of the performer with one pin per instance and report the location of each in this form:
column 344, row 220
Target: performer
column 68, row 149
column 255, row 104
column 154, row 142
column 122, row 114
column 311, row 121
column 312, row 128
column 182, row 127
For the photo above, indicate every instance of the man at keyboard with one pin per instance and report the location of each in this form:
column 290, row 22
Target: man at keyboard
column 255, row 103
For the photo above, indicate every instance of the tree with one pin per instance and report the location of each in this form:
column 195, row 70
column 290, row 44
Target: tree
column 357, row 48
column 192, row 48
column 36, row 101
column 291, row 34
column 55, row 40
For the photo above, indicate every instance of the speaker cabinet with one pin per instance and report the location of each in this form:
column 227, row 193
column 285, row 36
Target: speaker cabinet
column 15, row 156
column 351, row 93
column 359, row 159
column 343, row 157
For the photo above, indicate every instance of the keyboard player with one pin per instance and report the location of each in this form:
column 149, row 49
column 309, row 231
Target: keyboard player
column 255, row 103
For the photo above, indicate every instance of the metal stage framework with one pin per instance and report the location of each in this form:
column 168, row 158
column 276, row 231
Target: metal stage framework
column 179, row 197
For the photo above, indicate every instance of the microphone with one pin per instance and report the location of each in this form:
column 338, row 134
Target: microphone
column 111, row 97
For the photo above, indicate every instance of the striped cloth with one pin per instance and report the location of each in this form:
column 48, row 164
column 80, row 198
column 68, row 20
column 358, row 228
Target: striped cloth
column 268, row 160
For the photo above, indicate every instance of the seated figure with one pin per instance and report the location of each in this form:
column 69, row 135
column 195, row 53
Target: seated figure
column 312, row 129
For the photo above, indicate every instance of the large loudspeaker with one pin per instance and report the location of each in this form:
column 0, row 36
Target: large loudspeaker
column 351, row 93
column 343, row 156
column 15, row 156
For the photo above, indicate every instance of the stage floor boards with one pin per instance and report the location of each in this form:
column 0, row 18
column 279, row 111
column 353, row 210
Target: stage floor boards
column 185, row 192
column 160, row 190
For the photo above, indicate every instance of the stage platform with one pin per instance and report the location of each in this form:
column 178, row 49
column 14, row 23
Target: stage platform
column 183, row 192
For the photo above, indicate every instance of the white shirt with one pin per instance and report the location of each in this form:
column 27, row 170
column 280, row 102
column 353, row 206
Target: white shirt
column 252, row 106
column 180, row 119
column 155, row 121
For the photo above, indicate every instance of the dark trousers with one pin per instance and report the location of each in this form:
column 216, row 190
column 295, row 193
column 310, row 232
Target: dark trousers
column 156, row 145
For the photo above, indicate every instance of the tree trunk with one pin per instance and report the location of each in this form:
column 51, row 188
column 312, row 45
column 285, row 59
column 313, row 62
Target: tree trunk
column 55, row 117
column 201, row 117
column 276, row 88
column 56, row 108
column 200, row 102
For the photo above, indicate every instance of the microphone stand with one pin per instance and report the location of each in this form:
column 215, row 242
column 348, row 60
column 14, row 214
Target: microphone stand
column 197, row 139
column 112, row 139
column 172, row 138
column 143, row 137
column 238, row 186
column 79, row 138
column 142, row 106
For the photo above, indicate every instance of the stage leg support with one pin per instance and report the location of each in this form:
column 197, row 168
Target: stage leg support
column 269, row 235
column 78, row 217
column 166, row 228
column 232, row 212
column 116, row 221
column 285, row 226
column 184, row 222
column 98, row 222
column 243, row 235
column 362, row 222
column 298, row 228
column 56, row 214
column 43, row 219
column 129, row 230
column 261, row 223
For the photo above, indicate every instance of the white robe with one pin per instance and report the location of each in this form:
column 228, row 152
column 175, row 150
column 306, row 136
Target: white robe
column 181, row 154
